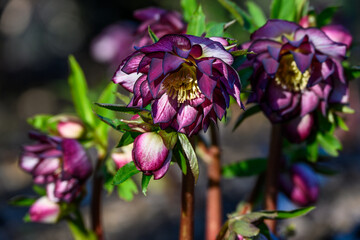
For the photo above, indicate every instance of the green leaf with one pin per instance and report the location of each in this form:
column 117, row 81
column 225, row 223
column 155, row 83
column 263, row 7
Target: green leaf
column 341, row 123
column 112, row 123
column 125, row 173
column 78, row 230
column 343, row 108
column 190, row 155
column 120, row 108
column 294, row 213
column 169, row 138
column 107, row 96
column 145, row 182
column 22, row 201
column 127, row 138
column 152, row 35
column 241, row 52
column 180, row 157
column 352, row 72
column 78, row 88
column 27, row 218
column 325, row 17
column 39, row 190
column 245, row 229
column 215, row 29
column 312, row 150
column 189, row 7
column 256, row 13
column 249, row 112
column 301, row 8
column 283, row 9
column 196, row 24
column 40, row 122
column 245, row 168
column 123, row 98
column 127, row 190
column 329, row 143
column 233, row 9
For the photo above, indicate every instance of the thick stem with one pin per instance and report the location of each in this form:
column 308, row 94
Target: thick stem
column 96, row 222
column 187, row 206
column 213, row 200
column 272, row 173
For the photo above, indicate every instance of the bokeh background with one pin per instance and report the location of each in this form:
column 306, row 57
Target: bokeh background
column 36, row 36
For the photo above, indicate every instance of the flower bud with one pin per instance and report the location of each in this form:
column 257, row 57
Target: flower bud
column 124, row 157
column 44, row 211
column 70, row 128
column 150, row 154
column 301, row 186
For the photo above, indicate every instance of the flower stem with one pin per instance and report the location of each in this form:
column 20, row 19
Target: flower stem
column 187, row 206
column 213, row 200
column 96, row 201
column 272, row 173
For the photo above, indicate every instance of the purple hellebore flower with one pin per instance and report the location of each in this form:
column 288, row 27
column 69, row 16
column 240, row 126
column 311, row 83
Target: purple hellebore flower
column 150, row 154
column 61, row 164
column 301, row 186
column 117, row 41
column 186, row 79
column 296, row 71
column 44, row 211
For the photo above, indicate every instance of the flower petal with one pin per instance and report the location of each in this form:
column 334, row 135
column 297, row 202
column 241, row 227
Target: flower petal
column 44, row 211
column 164, row 109
column 161, row 172
column 298, row 129
column 186, row 116
column 156, row 69
column 171, row 63
column 206, row 84
column 275, row 28
column 309, row 102
column 302, row 61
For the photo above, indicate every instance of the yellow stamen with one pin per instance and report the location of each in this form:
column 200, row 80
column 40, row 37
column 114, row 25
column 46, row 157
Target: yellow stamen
column 182, row 84
column 288, row 75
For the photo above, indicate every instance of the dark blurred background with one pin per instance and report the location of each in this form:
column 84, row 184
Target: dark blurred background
column 36, row 38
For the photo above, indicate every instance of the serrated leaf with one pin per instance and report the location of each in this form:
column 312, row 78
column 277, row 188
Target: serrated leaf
column 120, row 108
column 78, row 88
column 245, row 168
column 189, row 7
column 190, row 155
column 22, row 201
column 325, row 17
column 180, row 158
column 127, row 190
column 145, row 182
column 127, row 138
column 196, row 24
column 283, row 9
column 249, row 112
column 152, row 35
column 256, row 13
column 125, row 173
column 40, row 122
column 245, row 229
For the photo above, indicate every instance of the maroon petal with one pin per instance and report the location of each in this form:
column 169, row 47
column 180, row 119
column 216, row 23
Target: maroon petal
column 298, row 129
column 76, row 162
column 309, row 102
column 302, row 61
column 37, row 147
column 167, row 44
column 275, row 28
column 186, row 116
column 131, row 65
column 149, row 152
column 156, row 69
column 340, row 71
column 47, row 166
column 340, row 93
column 327, row 68
column 205, row 66
column 274, row 52
column 145, row 94
column 219, row 104
column 158, row 174
column 279, row 98
column 262, row 45
column 206, row 84
column 196, row 51
column 270, row 66
column 164, row 109
column 171, row 63
column 148, row 13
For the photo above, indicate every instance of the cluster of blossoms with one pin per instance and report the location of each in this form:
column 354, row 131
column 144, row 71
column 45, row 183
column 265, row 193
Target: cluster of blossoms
column 187, row 80
column 297, row 71
column 117, row 41
column 62, row 165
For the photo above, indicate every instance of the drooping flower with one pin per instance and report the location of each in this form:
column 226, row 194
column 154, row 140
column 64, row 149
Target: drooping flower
column 44, row 211
column 118, row 40
column 296, row 71
column 151, row 155
column 300, row 185
column 61, row 164
column 187, row 80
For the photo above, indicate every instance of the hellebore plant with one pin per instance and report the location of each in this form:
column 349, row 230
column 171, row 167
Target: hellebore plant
column 296, row 72
column 187, row 80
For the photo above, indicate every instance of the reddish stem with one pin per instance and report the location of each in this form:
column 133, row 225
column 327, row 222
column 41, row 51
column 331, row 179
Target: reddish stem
column 96, row 202
column 272, row 173
column 187, row 206
column 213, row 200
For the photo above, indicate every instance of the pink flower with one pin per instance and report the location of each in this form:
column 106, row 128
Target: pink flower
column 44, row 211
